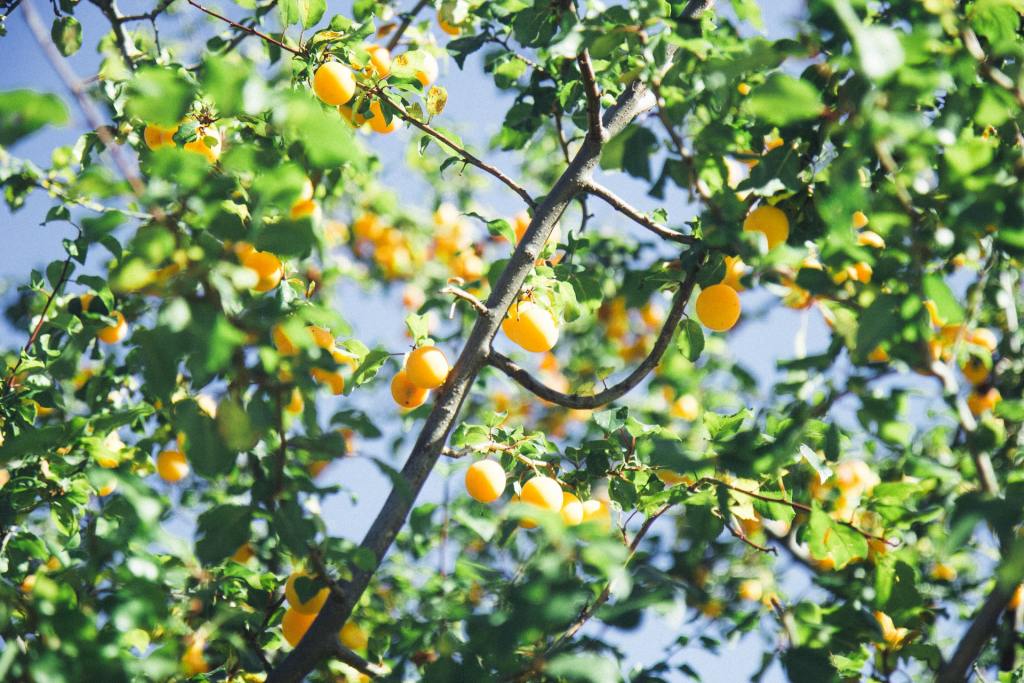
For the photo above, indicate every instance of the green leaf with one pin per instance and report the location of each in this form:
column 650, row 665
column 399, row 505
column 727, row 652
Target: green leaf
column 221, row 531
column 67, row 34
column 631, row 152
column 583, row 667
column 879, row 323
column 204, row 448
column 782, row 100
column 690, row 339
column 23, row 112
column 936, row 289
column 828, row 538
column 293, row 528
column 370, row 366
column 223, row 81
column 234, row 425
column 305, row 12
column 158, row 95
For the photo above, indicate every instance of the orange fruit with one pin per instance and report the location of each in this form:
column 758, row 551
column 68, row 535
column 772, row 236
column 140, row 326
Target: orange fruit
column 405, row 393
column 770, row 221
column 159, row 136
column 597, row 511
column 294, row 625
column 172, row 466
column 531, row 326
column 427, row 367
column 542, row 492
column 334, row 83
column 718, row 307
column 485, row 481
column 353, row 637
column 333, row 380
column 266, row 266
column 311, row 606
column 380, row 60
column 378, row 123
column 974, row 370
column 983, row 402
column 207, row 143
column 572, row 509
column 860, row 219
column 116, row 332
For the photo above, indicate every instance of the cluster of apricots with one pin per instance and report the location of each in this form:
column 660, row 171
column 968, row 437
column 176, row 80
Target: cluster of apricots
column 336, row 84
column 425, row 368
column 631, row 338
column 454, row 244
column 324, row 339
column 300, row 616
column 486, row 482
column 207, row 142
column 110, row 334
column 391, row 249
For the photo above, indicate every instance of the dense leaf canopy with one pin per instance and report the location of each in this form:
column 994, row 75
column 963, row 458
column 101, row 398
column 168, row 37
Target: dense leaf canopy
column 198, row 355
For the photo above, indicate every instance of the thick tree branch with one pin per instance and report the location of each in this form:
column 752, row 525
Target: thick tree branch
column 977, row 636
column 594, row 128
column 626, row 209
column 321, row 638
column 616, row 391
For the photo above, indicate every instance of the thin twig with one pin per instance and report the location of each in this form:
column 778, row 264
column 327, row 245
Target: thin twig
column 624, row 207
column 609, row 394
column 458, row 292
column 594, row 128
column 247, row 29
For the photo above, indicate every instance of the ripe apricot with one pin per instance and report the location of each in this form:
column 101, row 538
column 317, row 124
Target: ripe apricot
column 671, row 478
column 305, row 208
column 983, row 337
column 334, row 83
column 769, row 220
column 531, row 326
column 107, row 488
column 485, row 481
column 597, row 511
column 1017, row 597
column 983, row 402
column 159, row 136
column 266, row 266
column 333, row 380
column 718, row 307
column 542, row 492
column 322, row 337
column 405, row 393
column 734, row 270
column 207, row 143
column 572, row 509
column 116, row 332
column 944, row 572
column 743, row 89
column 353, row 117
column 427, row 73
column 870, row 238
column 427, row 367
column 860, row 219
column 378, row 123
column 446, row 27
column 686, row 407
column 294, row 625
column 243, row 554
column 311, row 606
column 193, row 662
column 974, row 370
column 284, row 345
column 353, row 637
column 750, row 589
column 380, row 60
column 296, row 404
column 172, row 466
column 468, row 265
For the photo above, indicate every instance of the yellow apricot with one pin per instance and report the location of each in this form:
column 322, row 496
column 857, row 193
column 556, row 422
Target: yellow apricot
column 333, row 380
column 243, row 554
column 520, row 223
column 405, row 393
column 427, row 73
column 734, row 270
column 427, row 367
column 468, row 265
column 670, row 478
column 284, row 345
column 193, row 662
column 1017, row 597
column 311, row 606
column 974, row 370
column 860, row 220
column 334, row 83
column 446, row 27
column 718, row 307
column 984, row 338
column 943, row 572
column 870, row 238
column 686, row 407
column 353, row 117
column 878, row 355
column 531, row 326
column 750, row 589
column 892, row 636
column 116, row 332
column 353, row 637
column 266, row 266
column 597, row 511
column 159, row 136
column 294, row 625
column 207, row 143
column 542, row 492
column 769, row 220
column 107, row 488
column 172, row 466
column 524, row 522
column 378, row 123
column 936, row 319
column 863, row 272
column 380, row 60
column 485, row 481
column 322, row 337
column 743, row 89
column 572, row 509
column 305, row 208
column 296, row 404
column 983, row 402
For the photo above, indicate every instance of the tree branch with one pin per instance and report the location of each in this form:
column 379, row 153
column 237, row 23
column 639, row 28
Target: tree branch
column 469, row 158
column 407, row 20
column 321, row 638
column 246, row 29
column 595, row 129
column 973, row 46
column 616, row 391
column 977, row 636
column 460, row 293
column 624, row 207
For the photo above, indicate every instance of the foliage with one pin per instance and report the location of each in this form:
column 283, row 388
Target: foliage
column 196, row 312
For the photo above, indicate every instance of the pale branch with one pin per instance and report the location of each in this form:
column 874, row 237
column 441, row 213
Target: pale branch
column 147, row 16
column 359, row 664
column 466, row 156
column 624, row 207
column 92, row 115
column 740, row 535
column 321, row 638
column 992, row 73
column 109, row 10
column 247, row 29
column 977, row 636
column 594, row 128
column 616, row 391
column 460, row 293
column 407, row 20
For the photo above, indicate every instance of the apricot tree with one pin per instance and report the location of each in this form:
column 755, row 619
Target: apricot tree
column 197, row 357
